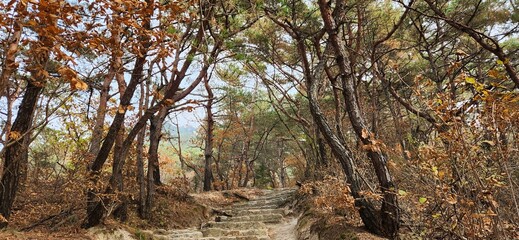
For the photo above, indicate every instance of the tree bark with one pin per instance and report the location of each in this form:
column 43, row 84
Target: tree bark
column 143, row 104
column 153, row 176
column 338, row 147
column 104, row 96
column 150, row 190
column 281, row 159
column 156, row 124
column 208, row 151
column 140, row 173
column 249, row 164
column 119, row 117
column 322, row 160
column 116, row 181
column 371, row 218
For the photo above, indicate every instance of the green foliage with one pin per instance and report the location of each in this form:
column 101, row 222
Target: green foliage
column 262, row 175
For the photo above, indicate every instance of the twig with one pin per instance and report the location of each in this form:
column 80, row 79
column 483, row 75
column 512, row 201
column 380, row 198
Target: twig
column 43, row 220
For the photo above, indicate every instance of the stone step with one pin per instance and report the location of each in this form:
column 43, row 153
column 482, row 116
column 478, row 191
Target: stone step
column 236, row 225
column 252, row 238
column 252, row 207
column 265, row 218
column 178, row 232
column 273, row 196
column 261, row 202
column 267, row 201
column 229, row 238
column 219, row 232
column 260, row 211
column 197, row 234
column 162, row 234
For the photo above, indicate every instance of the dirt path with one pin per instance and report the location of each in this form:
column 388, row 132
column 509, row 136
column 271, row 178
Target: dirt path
column 285, row 230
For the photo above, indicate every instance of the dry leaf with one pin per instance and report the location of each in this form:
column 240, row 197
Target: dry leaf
column 3, row 219
column 121, row 109
column 14, row 135
column 365, row 133
column 169, row 102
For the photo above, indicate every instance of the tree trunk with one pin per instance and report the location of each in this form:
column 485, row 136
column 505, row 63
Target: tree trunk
column 390, row 213
column 150, row 191
column 179, row 149
column 143, row 104
column 140, row 173
column 153, row 158
column 322, row 160
column 183, row 162
column 208, row 152
column 156, row 124
column 97, row 131
column 16, row 152
column 249, row 164
column 170, row 95
column 116, row 181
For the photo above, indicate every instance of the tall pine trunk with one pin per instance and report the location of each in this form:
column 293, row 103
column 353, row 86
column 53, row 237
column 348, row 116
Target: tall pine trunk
column 143, row 104
column 208, row 151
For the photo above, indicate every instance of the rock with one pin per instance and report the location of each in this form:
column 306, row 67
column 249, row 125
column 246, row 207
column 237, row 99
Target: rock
column 101, row 233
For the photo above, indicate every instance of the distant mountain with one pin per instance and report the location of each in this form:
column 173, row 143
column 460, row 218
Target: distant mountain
column 186, row 132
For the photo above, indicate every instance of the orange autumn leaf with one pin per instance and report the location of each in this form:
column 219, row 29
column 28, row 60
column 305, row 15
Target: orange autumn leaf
column 14, row 135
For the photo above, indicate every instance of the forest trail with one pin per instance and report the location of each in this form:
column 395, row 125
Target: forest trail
column 263, row 218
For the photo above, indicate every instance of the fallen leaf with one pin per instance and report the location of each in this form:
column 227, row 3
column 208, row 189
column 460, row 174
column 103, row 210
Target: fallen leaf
column 402, row 192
